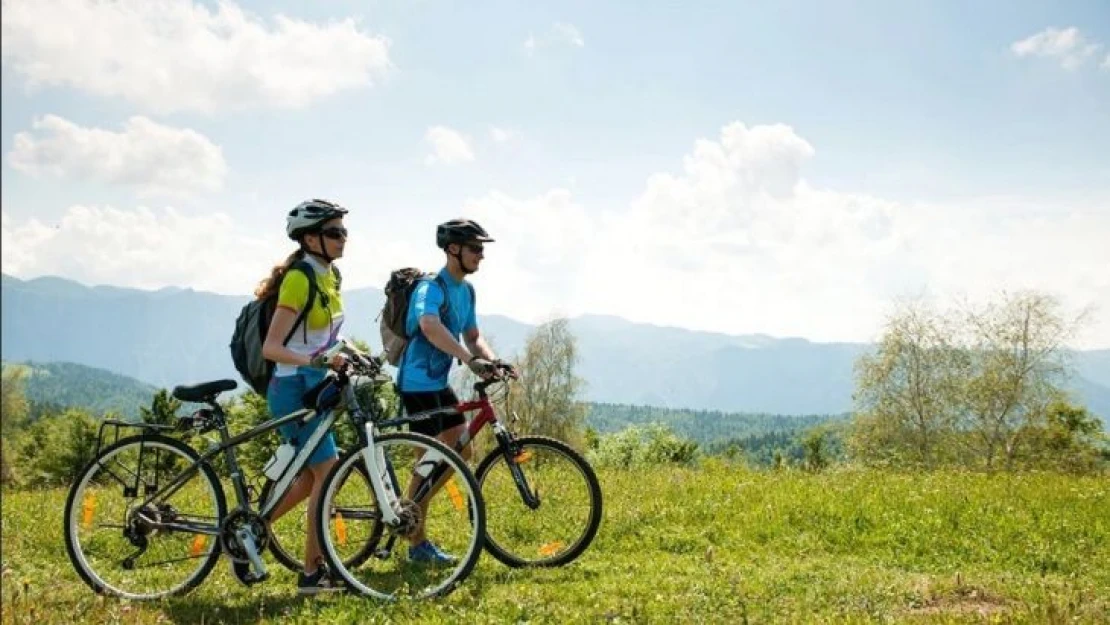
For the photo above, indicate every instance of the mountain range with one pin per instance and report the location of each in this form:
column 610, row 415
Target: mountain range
column 178, row 335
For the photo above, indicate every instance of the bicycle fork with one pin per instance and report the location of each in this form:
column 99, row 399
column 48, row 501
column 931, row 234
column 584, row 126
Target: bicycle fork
column 513, row 458
column 380, row 479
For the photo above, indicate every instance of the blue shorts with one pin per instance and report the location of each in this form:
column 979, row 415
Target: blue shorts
column 284, row 397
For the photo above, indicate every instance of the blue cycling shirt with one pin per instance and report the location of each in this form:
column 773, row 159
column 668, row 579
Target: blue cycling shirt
column 423, row 366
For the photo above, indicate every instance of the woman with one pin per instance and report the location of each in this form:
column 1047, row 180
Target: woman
column 317, row 227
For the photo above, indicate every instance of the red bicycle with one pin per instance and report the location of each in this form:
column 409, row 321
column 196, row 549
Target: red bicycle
column 543, row 500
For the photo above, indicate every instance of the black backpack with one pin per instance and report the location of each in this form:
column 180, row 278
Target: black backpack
column 254, row 322
column 398, row 292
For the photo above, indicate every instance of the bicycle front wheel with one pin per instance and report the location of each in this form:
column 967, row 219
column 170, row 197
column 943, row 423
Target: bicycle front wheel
column 135, row 550
column 453, row 520
column 545, row 515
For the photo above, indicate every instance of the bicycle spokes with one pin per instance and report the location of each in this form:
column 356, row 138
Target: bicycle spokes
column 135, row 548
column 452, row 521
column 543, row 502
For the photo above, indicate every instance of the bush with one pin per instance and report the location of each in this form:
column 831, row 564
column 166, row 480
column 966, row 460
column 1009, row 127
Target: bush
column 642, row 445
column 55, row 448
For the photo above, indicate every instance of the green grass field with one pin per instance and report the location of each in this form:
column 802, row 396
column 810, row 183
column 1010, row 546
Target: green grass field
column 714, row 544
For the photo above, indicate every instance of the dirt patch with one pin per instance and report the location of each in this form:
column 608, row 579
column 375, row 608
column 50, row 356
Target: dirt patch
column 961, row 600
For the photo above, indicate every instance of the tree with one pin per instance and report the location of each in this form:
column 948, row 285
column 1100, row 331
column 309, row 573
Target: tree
column 1071, row 440
column 13, row 418
column 546, row 398
column 908, row 391
column 54, row 448
column 815, row 445
column 975, row 385
column 1018, row 366
column 163, row 409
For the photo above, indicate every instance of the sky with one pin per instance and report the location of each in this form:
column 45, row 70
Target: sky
column 792, row 168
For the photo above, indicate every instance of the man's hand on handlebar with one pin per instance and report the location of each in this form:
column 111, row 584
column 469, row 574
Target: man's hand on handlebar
column 506, row 369
column 482, row 367
column 491, row 370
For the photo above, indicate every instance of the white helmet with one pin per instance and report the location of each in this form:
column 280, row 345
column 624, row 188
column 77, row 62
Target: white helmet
column 310, row 215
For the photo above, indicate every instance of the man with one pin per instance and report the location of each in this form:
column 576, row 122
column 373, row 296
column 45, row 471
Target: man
column 440, row 311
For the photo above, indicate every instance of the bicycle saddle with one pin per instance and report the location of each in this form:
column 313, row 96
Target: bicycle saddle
column 204, row 390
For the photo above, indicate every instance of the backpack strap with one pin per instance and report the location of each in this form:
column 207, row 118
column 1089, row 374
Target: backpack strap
column 447, row 298
column 446, row 305
column 310, row 273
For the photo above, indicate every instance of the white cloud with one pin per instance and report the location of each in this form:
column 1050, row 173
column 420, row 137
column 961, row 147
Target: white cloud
column 1106, row 62
column 501, row 135
column 175, row 55
column 152, row 248
column 734, row 240
column 739, row 242
column 1068, row 46
column 449, row 146
column 560, row 33
column 155, row 159
column 108, row 245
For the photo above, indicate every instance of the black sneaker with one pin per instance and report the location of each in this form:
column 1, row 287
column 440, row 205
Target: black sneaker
column 320, row 581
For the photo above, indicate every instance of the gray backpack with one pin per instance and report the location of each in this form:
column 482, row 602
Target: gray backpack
column 398, row 293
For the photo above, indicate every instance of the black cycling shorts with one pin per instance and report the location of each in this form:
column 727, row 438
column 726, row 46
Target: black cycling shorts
column 421, row 401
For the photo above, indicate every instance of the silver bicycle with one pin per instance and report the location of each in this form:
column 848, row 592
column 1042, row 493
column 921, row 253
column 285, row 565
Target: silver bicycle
column 148, row 517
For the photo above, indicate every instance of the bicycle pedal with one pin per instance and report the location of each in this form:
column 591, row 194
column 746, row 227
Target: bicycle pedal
column 247, row 577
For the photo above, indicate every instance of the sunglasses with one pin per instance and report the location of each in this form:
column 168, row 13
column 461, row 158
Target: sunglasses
column 475, row 248
column 334, row 233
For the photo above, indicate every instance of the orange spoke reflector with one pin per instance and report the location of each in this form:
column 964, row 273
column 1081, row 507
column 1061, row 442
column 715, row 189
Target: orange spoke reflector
column 197, row 547
column 456, row 496
column 340, row 529
column 87, row 509
column 523, row 457
column 551, row 549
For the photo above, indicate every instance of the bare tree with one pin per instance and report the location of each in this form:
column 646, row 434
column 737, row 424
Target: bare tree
column 1019, row 364
column 907, row 390
column 546, row 399
column 973, row 384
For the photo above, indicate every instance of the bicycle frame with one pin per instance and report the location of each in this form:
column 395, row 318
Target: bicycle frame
column 227, row 446
column 487, row 415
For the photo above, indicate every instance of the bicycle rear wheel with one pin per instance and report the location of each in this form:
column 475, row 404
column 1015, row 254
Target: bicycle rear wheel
column 563, row 520
column 123, row 547
column 453, row 519
column 287, row 534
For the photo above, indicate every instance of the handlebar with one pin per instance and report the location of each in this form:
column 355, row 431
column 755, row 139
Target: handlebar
column 502, row 371
column 358, row 363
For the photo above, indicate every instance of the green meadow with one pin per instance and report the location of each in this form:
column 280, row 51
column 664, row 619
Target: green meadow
column 715, row 543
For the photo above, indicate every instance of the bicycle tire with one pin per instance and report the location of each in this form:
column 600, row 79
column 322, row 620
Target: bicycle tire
column 465, row 498
column 507, row 519
column 75, row 544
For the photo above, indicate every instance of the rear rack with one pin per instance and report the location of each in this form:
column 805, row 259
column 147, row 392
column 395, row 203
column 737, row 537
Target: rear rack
column 117, row 425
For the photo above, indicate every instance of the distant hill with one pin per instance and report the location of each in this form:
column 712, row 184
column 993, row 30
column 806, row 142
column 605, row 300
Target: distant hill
column 175, row 336
column 704, row 426
column 65, row 385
